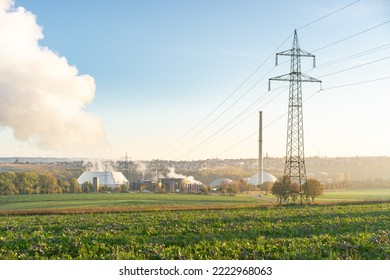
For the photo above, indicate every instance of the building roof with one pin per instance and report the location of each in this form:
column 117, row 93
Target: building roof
column 267, row 177
column 220, row 181
column 105, row 178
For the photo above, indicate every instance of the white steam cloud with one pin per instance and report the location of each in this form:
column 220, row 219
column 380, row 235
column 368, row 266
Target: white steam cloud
column 141, row 168
column 42, row 96
column 190, row 179
column 99, row 165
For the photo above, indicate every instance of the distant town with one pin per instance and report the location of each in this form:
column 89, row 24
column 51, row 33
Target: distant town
column 352, row 172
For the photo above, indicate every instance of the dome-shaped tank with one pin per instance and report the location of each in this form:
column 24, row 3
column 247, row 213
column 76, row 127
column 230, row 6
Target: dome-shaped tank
column 220, row 181
column 267, row 177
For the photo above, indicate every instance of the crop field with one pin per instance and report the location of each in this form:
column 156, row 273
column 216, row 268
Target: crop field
column 120, row 202
column 355, row 195
column 116, row 202
column 354, row 231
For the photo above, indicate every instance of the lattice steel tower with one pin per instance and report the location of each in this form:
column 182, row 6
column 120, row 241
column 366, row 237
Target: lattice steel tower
column 294, row 169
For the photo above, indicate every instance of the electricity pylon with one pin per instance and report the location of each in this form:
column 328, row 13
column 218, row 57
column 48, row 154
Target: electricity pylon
column 294, row 170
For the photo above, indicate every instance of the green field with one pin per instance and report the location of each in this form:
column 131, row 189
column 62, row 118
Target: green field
column 106, row 202
column 356, row 195
column 350, row 196
column 133, row 226
column 100, row 202
column 360, row 231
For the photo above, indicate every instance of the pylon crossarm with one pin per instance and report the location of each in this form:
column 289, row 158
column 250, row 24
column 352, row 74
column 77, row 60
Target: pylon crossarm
column 285, row 53
column 305, row 53
column 285, row 77
column 288, row 77
column 306, row 78
column 297, row 53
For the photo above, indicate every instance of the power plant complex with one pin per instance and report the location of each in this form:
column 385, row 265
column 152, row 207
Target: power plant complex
column 105, row 178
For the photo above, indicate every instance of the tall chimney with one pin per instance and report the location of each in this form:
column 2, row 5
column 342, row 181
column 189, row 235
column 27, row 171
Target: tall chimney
column 260, row 160
column 95, row 184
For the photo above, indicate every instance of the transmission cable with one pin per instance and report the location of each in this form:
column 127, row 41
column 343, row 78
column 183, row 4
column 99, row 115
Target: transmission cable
column 278, row 118
column 334, row 43
column 225, row 100
column 374, row 50
column 354, row 35
column 347, row 6
column 256, row 70
column 354, row 67
column 358, row 83
column 209, row 139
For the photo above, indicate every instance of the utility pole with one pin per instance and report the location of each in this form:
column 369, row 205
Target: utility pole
column 294, row 170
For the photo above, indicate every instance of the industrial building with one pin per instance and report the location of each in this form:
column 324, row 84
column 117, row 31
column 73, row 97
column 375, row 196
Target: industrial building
column 103, row 178
column 180, row 185
column 141, row 184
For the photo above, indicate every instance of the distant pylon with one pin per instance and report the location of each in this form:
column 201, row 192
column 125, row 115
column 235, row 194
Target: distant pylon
column 294, row 170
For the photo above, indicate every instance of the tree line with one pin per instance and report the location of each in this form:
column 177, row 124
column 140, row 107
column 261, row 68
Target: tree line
column 35, row 183
column 358, row 184
column 42, row 183
column 282, row 188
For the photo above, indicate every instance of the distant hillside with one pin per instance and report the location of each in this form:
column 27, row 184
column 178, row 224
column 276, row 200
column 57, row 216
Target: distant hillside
column 351, row 168
column 327, row 169
column 37, row 159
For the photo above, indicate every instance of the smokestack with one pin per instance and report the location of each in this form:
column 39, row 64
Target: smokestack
column 260, row 160
column 95, row 184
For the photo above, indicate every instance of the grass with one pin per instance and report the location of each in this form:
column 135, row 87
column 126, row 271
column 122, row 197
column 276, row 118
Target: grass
column 355, row 195
column 359, row 231
column 99, row 202
column 117, row 202
column 132, row 226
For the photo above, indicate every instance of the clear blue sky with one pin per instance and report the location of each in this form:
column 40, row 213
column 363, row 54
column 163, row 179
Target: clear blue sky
column 160, row 67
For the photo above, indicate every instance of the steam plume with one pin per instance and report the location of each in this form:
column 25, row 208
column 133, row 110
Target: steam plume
column 42, row 96
column 172, row 174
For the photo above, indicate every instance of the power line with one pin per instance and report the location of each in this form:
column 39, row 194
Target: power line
column 249, row 136
column 354, row 67
column 220, row 115
column 250, row 76
column 370, row 51
column 257, row 131
column 225, row 100
column 209, row 139
column 247, row 79
column 354, row 35
column 358, row 83
column 339, row 60
column 281, row 116
column 332, row 13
